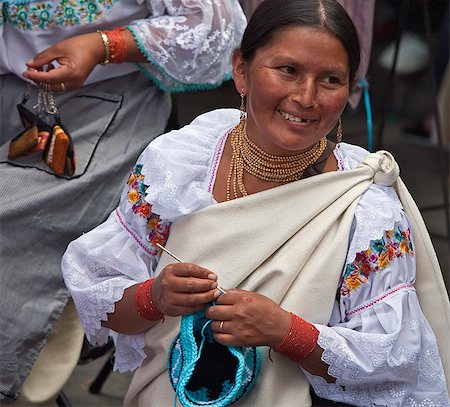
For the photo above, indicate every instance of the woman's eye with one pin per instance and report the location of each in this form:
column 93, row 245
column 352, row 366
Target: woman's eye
column 287, row 69
column 332, row 80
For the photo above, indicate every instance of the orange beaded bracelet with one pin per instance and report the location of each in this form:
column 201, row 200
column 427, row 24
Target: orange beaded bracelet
column 143, row 302
column 300, row 341
column 117, row 45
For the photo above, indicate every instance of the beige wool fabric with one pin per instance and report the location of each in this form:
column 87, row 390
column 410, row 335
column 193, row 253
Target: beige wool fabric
column 290, row 244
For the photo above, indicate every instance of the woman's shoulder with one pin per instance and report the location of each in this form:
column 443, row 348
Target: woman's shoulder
column 199, row 135
column 349, row 155
column 379, row 207
column 177, row 165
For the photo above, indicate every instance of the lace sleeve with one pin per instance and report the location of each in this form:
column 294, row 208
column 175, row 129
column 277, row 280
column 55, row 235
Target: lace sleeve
column 97, row 268
column 102, row 263
column 378, row 345
column 189, row 43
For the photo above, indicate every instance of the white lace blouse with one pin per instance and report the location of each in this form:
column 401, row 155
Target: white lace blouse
column 378, row 344
column 188, row 44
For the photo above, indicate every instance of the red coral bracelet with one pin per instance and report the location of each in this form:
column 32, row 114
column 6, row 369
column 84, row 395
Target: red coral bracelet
column 300, row 341
column 143, row 302
column 115, row 44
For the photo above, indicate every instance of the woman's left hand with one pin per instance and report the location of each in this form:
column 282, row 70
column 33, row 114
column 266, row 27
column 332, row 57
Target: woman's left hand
column 243, row 318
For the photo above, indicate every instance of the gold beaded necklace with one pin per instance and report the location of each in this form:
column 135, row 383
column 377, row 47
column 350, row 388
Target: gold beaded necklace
column 247, row 156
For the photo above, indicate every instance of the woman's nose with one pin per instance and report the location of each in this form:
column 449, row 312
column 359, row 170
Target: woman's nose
column 305, row 93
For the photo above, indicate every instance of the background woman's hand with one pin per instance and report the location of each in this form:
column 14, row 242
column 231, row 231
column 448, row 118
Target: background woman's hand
column 69, row 62
column 183, row 288
column 249, row 319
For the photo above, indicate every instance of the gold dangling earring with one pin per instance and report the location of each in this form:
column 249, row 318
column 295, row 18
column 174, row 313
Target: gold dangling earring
column 242, row 108
column 339, row 131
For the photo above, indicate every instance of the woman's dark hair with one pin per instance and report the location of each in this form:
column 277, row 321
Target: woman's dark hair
column 272, row 16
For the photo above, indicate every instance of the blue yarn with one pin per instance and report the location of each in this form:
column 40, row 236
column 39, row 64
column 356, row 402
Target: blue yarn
column 365, row 86
column 184, row 355
column 187, row 372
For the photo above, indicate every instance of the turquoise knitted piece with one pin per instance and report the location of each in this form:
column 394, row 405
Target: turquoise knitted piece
column 206, row 373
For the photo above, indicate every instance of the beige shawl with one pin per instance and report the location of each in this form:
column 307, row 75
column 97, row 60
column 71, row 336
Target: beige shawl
column 290, row 244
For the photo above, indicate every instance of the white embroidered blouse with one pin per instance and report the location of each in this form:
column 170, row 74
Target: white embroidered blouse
column 188, row 44
column 378, row 344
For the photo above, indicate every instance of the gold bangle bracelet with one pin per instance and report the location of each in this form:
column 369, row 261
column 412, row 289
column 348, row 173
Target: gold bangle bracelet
column 105, row 40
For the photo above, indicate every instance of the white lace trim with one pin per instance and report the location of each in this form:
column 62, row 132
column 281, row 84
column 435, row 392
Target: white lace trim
column 97, row 268
column 129, row 352
column 177, row 166
column 95, row 300
column 376, row 361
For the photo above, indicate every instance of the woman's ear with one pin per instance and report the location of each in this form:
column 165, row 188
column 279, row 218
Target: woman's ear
column 239, row 72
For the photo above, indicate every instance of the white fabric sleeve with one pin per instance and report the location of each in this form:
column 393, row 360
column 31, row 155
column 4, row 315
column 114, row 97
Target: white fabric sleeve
column 188, row 43
column 97, row 268
column 378, row 345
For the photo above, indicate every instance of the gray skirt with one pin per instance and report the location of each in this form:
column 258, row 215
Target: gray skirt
column 110, row 122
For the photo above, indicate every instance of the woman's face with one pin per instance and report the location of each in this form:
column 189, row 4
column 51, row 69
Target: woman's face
column 297, row 87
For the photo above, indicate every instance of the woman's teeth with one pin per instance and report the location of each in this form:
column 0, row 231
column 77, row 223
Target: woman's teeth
column 296, row 119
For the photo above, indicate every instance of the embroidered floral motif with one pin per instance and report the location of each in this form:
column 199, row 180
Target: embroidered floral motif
column 36, row 15
column 376, row 258
column 158, row 230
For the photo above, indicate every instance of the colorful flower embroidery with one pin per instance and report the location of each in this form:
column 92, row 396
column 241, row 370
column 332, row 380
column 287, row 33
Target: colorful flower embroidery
column 376, row 258
column 34, row 15
column 158, row 230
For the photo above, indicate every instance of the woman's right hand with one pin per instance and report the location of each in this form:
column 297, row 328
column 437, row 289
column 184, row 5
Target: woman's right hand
column 183, row 288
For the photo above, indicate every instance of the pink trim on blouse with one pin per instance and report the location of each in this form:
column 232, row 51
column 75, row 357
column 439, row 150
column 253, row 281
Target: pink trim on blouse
column 380, row 298
column 132, row 234
column 216, row 161
column 338, row 156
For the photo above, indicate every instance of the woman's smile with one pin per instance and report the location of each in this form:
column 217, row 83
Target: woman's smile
column 296, row 119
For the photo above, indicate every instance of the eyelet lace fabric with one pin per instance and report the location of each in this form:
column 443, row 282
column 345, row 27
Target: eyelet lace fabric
column 97, row 269
column 197, row 33
column 378, row 210
column 379, row 361
column 178, row 165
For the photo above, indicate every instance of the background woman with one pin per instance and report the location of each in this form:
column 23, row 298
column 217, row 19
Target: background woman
column 111, row 90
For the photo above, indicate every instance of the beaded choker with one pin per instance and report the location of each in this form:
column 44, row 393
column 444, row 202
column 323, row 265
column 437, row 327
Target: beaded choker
column 247, row 156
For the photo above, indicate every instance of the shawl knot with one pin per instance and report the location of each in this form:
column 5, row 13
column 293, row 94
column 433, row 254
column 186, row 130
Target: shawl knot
column 384, row 166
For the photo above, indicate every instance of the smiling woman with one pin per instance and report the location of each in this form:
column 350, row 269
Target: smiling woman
column 310, row 240
column 295, row 95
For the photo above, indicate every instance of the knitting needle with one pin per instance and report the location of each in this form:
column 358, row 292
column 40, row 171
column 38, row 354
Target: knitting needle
column 181, row 261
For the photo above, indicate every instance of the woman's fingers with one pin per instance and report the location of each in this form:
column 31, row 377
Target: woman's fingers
column 73, row 60
column 44, row 58
column 194, row 299
column 52, row 76
column 190, row 270
column 184, row 288
column 174, row 304
column 188, row 278
column 192, row 285
column 243, row 318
